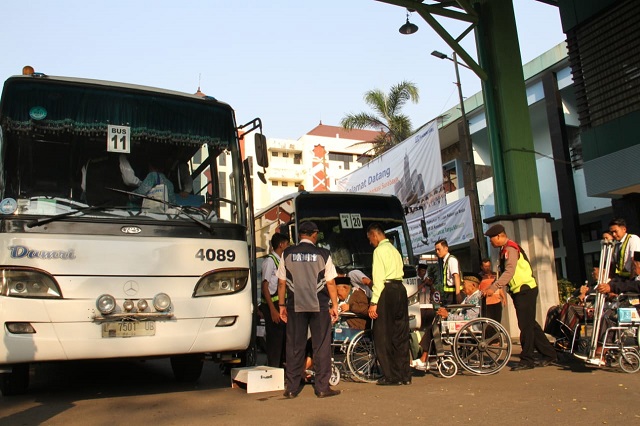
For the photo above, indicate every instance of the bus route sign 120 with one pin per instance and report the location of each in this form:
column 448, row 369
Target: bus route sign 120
column 351, row 220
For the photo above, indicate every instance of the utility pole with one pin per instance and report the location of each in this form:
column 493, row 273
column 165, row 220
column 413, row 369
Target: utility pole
column 478, row 245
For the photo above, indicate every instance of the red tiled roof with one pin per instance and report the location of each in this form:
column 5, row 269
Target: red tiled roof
column 331, row 132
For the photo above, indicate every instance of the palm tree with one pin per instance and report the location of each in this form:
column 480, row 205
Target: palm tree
column 394, row 126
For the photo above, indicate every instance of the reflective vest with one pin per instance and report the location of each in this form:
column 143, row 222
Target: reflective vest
column 620, row 271
column 523, row 274
column 445, row 283
column 274, row 296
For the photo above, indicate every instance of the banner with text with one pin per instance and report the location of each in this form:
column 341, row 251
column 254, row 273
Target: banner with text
column 411, row 170
column 452, row 222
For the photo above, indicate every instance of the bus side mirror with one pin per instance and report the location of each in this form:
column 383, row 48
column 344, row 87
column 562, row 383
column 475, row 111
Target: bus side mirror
column 261, row 150
column 261, row 155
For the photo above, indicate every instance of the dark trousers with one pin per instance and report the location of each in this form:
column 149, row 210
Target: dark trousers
column 276, row 335
column 391, row 332
column 448, row 298
column 426, row 324
column 297, row 325
column 531, row 335
column 493, row 311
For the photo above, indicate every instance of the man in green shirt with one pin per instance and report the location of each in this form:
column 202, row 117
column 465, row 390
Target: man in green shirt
column 389, row 310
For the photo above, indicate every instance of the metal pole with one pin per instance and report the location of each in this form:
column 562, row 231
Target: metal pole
column 471, row 189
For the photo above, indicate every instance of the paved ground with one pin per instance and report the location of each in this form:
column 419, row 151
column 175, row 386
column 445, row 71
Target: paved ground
column 145, row 393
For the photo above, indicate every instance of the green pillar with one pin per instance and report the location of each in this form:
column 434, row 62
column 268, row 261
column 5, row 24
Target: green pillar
column 507, row 111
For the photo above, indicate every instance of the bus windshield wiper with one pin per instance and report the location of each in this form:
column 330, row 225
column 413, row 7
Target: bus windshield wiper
column 178, row 207
column 45, row 220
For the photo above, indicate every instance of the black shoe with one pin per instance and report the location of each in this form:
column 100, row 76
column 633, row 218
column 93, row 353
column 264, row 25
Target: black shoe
column 545, row 362
column 521, row 367
column 290, row 395
column 387, row 382
column 327, row 394
column 406, row 382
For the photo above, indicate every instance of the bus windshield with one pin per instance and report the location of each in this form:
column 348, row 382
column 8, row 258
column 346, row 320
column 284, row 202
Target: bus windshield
column 68, row 144
column 342, row 220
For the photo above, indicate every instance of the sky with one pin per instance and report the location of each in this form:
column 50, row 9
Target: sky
column 292, row 63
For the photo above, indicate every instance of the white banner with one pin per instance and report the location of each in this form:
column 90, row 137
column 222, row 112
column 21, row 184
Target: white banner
column 452, row 222
column 411, row 170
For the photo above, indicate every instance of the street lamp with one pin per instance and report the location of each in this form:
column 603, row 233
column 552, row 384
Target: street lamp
column 471, row 189
column 408, row 28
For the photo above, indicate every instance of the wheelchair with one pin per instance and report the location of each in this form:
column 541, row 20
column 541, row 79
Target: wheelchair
column 616, row 326
column 620, row 340
column 480, row 346
column 354, row 356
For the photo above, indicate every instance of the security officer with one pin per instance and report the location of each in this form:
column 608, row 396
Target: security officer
column 450, row 273
column 274, row 326
column 308, row 273
column 516, row 272
column 627, row 245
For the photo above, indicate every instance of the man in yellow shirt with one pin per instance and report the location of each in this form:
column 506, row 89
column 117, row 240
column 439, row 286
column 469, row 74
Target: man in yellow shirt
column 389, row 310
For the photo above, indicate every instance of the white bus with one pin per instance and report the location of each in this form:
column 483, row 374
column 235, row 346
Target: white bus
column 343, row 219
column 92, row 267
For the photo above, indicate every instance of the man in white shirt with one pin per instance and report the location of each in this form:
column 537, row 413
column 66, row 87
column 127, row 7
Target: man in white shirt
column 450, row 273
column 275, row 328
column 627, row 245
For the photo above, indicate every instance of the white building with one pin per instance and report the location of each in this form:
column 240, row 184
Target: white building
column 315, row 161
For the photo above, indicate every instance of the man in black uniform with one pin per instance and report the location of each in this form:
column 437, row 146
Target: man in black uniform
column 517, row 274
column 308, row 273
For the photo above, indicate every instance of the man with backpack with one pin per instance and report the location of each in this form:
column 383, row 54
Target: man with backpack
column 516, row 273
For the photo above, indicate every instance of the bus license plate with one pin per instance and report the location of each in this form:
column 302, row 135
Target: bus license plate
column 128, row 328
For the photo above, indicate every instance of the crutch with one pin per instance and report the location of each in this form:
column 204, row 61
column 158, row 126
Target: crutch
column 606, row 253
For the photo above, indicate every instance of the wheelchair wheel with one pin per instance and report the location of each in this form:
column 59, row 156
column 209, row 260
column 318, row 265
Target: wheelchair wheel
column 447, row 367
column 482, row 346
column 629, row 361
column 361, row 358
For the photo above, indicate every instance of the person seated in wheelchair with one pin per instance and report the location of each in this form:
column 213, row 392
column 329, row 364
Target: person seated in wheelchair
column 353, row 304
column 631, row 291
column 353, row 309
column 562, row 320
column 473, row 296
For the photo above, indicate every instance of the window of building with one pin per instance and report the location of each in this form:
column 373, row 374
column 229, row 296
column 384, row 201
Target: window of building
column 222, row 159
column 559, row 270
column 285, row 155
column 363, row 159
column 555, row 237
column 285, row 183
column 346, row 159
column 274, row 153
column 297, row 158
column 222, row 184
column 274, row 183
column 591, row 232
column 450, row 176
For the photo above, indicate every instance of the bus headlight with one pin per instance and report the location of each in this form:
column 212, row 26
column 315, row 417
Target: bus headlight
column 30, row 283
column 162, row 302
column 223, row 281
column 106, row 304
column 414, row 299
column 142, row 305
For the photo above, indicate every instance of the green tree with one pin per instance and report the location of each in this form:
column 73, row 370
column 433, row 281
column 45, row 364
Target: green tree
column 387, row 117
